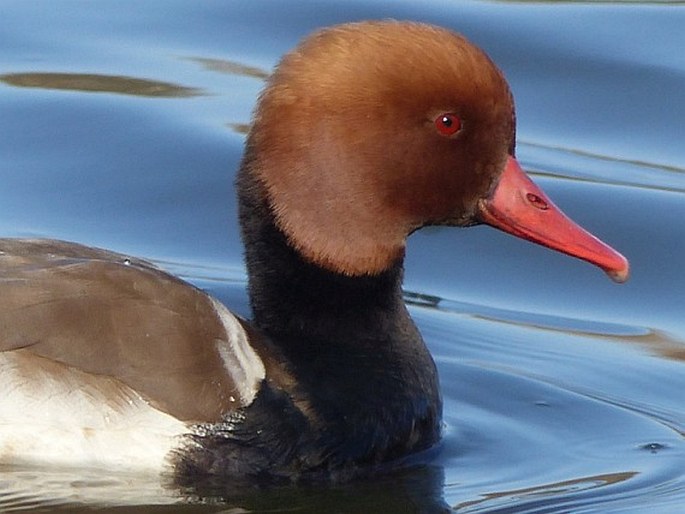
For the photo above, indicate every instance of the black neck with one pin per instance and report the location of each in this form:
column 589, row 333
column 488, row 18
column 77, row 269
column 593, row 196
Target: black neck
column 349, row 340
column 291, row 296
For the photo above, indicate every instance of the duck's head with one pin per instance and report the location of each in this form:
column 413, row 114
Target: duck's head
column 368, row 131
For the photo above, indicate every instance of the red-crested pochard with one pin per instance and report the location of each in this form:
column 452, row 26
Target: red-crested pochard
column 365, row 133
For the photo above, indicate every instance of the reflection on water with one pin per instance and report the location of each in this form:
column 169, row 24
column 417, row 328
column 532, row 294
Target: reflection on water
column 230, row 67
column 239, row 128
column 31, row 489
column 596, row 168
column 417, row 489
column 532, row 499
column 660, row 342
column 98, row 84
column 409, row 491
column 522, row 318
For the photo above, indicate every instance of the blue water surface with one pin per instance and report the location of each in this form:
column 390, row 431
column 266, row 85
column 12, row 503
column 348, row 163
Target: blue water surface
column 122, row 124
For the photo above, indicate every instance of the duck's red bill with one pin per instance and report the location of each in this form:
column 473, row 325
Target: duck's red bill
column 519, row 207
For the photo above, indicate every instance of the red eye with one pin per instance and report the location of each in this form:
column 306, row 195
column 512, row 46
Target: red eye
column 448, row 124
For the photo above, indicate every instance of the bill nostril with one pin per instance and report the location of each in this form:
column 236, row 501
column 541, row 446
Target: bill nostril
column 537, row 202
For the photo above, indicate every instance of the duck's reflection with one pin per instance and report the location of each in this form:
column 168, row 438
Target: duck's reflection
column 413, row 490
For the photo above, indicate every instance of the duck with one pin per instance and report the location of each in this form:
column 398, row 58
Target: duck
column 364, row 133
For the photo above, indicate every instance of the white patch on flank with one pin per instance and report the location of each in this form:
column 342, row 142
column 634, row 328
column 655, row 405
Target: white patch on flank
column 241, row 361
column 56, row 415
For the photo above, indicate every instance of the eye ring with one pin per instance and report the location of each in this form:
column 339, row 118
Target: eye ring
column 448, row 124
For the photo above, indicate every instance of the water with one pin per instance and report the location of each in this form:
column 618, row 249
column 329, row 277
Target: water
column 121, row 125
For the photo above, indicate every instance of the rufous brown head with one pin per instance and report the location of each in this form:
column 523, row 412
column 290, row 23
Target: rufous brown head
column 367, row 131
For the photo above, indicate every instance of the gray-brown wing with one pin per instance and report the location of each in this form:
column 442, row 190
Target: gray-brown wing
column 108, row 314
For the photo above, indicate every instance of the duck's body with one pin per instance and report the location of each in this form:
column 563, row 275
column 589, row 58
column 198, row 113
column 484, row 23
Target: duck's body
column 116, row 364
column 108, row 361
column 95, row 351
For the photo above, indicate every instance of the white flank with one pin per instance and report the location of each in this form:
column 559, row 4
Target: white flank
column 56, row 415
column 241, row 361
